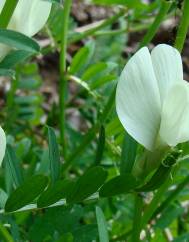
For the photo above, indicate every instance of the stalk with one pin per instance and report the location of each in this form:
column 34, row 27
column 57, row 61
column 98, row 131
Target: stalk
column 137, row 218
column 7, row 13
column 183, row 27
column 165, row 6
column 63, row 78
column 93, row 30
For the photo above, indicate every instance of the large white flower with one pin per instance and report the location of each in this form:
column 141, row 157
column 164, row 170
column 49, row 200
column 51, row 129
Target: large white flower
column 28, row 18
column 152, row 99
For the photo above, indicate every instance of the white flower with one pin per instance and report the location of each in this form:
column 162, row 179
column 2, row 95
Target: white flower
column 28, row 18
column 2, row 144
column 152, row 99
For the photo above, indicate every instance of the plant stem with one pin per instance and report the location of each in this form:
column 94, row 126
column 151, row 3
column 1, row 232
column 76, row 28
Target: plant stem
column 137, row 218
column 63, row 79
column 102, row 25
column 7, row 13
column 165, row 6
column 183, row 27
column 131, row 29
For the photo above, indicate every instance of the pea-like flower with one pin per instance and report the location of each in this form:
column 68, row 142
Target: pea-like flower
column 152, row 99
column 28, row 18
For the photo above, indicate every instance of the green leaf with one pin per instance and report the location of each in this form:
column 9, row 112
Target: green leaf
column 7, row 72
column 118, row 185
column 99, row 74
column 93, row 70
column 82, row 58
column 101, row 81
column 18, row 40
column 54, row 155
column 128, row 154
column 87, row 184
column 100, row 146
column 14, row 57
column 102, row 226
column 29, row 84
column 54, row 193
column 26, row 193
column 13, row 165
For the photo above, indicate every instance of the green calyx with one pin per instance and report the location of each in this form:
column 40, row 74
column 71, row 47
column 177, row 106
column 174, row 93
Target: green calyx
column 162, row 173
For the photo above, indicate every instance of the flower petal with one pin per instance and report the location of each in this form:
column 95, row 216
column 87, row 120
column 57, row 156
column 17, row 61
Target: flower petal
column 2, row 144
column 174, row 127
column 138, row 100
column 30, row 16
column 167, row 65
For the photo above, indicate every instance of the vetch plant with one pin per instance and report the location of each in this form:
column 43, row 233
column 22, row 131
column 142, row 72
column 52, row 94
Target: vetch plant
column 83, row 159
column 28, row 18
column 152, row 101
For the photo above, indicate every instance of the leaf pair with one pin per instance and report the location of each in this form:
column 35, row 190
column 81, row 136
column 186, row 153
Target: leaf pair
column 24, row 46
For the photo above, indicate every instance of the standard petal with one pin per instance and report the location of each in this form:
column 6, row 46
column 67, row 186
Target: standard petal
column 174, row 126
column 2, row 144
column 167, row 65
column 138, row 100
column 30, row 16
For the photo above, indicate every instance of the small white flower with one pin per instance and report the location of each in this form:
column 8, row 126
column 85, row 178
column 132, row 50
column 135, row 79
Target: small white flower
column 152, row 99
column 28, row 18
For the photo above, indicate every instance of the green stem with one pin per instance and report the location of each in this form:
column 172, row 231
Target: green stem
column 165, row 6
column 137, row 218
column 102, row 25
column 63, row 79
column 7, row 12
column 172, row 196
column 131, row 29
column 5, row 234
column 183, row 27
